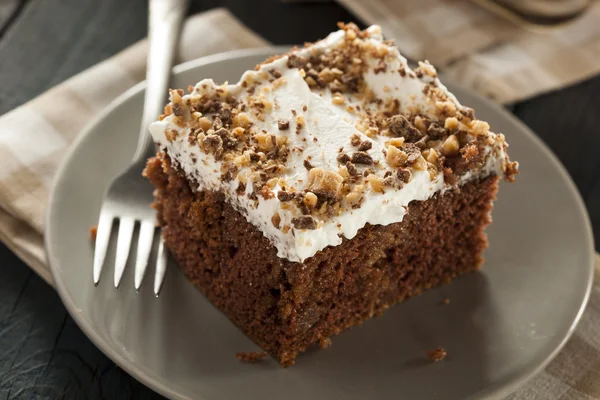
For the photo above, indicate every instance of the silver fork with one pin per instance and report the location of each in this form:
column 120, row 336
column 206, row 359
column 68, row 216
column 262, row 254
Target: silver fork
column 129, row 196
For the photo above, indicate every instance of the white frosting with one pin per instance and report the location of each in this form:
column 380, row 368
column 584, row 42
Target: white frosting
column 331, row 125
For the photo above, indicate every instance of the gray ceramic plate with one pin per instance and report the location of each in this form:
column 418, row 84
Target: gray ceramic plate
column 502, row 325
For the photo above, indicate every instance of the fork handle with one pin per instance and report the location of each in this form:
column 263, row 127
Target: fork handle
column 164, row 29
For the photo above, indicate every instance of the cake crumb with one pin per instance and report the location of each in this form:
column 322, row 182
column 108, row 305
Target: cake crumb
column 437, row 355
column 324, row 342
column 251, row 357
column 93, row 232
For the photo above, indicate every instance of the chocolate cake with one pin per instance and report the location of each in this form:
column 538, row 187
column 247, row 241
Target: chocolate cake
column 327, row 185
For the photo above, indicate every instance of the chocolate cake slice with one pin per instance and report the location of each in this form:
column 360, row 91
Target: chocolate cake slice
column 325, row 186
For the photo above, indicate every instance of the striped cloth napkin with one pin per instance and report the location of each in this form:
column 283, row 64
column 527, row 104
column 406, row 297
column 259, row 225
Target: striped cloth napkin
column 34, row 137
column 492, row 54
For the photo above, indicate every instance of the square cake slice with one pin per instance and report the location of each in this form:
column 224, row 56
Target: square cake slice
column 326, row 185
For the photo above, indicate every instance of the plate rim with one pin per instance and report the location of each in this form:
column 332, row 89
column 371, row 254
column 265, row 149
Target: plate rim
column 98, row 341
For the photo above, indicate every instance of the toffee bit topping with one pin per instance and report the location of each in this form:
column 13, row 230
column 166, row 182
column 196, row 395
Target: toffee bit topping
column 283, row 125
column 304, row 222
column 396, row 157
column 352, row 170
column 450, row 147
column 412, row 151
column 404, row 175
column 266, row 193
column 401, row 127
column 364, row 146
column 276, row 220
column 343, row 158
column 429, row 131
column 229, row 142
column 171, row 135
column 241, row 189
column 214, row 144
column 376, row 183
column 423, row 142
column 361, row 157
column 325, row 183
column 276, row 74
column 295, row 61
column 388, row 181
column 467, row 112
column 284, row 196
column 435, row 131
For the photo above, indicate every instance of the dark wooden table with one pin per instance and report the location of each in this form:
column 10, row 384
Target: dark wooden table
column 43, row 354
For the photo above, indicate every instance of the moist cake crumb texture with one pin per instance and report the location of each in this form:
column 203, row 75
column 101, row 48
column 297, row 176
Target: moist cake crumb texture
column 251, row 357
column 437, row 355
column 325, row 186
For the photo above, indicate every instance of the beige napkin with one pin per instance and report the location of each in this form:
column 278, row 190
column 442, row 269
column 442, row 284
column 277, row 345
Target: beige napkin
column 484, row 51
column 34, row 137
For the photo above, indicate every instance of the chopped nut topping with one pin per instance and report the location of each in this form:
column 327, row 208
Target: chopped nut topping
column 420, row 124
column 355, row 140
column 431, row 156
column 396, row 157
column 265, row 141
column 398, row 142
column 338, row 99
column 310, row 199
column 325, row 183
column 376, row 183
column 450, row 147
column 204, row 123
column 420, row 164
column 299, row 123
column 446, row 108
column 479, row 127
column 451, row 123
column 238, row 132
column 308, row 165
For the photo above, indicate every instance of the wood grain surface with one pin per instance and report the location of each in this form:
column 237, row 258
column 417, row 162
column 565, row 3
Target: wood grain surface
column 43, row 354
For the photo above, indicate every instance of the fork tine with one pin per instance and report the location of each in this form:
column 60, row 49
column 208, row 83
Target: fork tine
column 102, row 239
column 161, row 266
column 123, row 244
column 143, row 251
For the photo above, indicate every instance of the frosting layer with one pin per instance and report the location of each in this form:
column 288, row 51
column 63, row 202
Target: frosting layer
column 315, row 144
